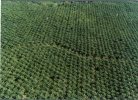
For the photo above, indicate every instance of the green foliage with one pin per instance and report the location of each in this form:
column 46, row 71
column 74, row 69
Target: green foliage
column 69, row 50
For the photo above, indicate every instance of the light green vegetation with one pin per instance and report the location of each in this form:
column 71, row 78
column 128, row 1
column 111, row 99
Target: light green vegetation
column 56, row 50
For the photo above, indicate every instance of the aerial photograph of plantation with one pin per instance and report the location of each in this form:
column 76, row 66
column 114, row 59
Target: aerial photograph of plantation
column 69, row 50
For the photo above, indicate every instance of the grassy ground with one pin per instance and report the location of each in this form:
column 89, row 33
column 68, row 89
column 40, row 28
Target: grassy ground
column 69, row 50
